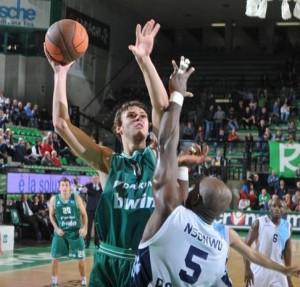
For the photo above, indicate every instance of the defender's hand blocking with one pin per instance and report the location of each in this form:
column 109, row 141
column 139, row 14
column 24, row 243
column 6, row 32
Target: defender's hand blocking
column 144, row 39
column 179, row 77
column 193, row 156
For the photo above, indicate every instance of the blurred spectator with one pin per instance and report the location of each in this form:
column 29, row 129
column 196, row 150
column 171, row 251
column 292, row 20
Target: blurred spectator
column 24, row 207
column 15, row 113
column 28, row 115
column 3, row 150
column 45, row 146
column 218, row 165
column 248, row 120
column 46, row 159
column 288, row 204
column 188, row 132
column 3, row 118
column 55, row 159
column 232, row 120
column 276, row 112
column 273, row 181
column 263, row 199
column 292, row 129
column 199, row 138
column 252, row 196
column 284, row 112
column 19, row 151
column 296, row 200
column 281, row 190
column 35, row 151
column 209, row 123
column 278, row 136
column 244, row 202
column 232, row 137
column 219, row 117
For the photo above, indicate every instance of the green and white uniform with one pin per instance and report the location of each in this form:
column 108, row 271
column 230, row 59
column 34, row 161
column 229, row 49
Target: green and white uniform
column 68, row 218
column 123, row 211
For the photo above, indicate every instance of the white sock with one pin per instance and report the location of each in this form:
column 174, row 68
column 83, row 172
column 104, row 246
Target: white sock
column 83, row 280
column 54, row 279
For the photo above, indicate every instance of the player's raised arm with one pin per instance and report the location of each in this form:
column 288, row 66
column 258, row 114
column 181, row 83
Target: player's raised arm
column 259, row 259
column 142, row 50
column 80, row 143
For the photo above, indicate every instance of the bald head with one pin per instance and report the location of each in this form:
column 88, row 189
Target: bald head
column 216, row 196
column 210, row 199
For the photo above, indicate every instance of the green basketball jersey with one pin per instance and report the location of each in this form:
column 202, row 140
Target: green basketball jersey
column 67, row 213
column 127, row 201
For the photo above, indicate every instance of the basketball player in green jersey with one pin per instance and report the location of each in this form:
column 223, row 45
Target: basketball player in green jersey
column 69, row 219
column 126, row 202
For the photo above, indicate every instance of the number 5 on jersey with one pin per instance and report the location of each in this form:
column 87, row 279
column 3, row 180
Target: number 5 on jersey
column 195, row 267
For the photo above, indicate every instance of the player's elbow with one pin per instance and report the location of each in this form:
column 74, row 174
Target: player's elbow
column 60, row 126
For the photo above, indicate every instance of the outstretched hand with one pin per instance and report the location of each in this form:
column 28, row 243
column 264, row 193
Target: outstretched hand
column 178, row 79
column 194, row 156
column 248, row 279
column 144, row 39
column 56, row 66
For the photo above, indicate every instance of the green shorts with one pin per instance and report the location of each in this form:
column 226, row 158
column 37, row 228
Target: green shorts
column 71, row 244
column 112, row 267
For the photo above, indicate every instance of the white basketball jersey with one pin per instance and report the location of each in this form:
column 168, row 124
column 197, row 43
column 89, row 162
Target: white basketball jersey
column 271, row 240
column 185, row 251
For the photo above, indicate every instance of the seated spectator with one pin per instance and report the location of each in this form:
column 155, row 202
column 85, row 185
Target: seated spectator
column 232, row 122
column 218, row 165
column 252, row 197
column 35, row 151
column 291, row 138
column 188, row 132
column 232, row 137
column 292, row 129
column 3, row 118
column 248, row 120
column 219, row 117
column 264, row 115
column 296, row 200
column 46, row 159
column 24, row 207
column 19, row 151
column 275, row 112
column 284, row 112
column 45, row 146
column 288, row 204
column 263, row 199
column 273, row 181
column 3, row 150
column 199, row 135
column 281, row 190
column 55, row 159
column 244, row 202
column 278, row 136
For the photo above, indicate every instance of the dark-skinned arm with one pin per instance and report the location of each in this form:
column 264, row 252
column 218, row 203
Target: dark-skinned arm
column 251, row 237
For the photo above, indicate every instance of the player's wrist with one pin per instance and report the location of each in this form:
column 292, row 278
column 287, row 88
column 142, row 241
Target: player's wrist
column 177, row 98
column 183, row 173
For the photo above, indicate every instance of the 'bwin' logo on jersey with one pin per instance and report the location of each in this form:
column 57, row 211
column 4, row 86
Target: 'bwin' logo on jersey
column 130, row 203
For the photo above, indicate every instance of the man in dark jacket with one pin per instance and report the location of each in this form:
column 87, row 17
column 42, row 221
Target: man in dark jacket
column 94, row 191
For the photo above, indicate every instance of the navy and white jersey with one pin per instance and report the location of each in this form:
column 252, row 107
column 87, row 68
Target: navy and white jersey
column 185, row 251
column 271, row 240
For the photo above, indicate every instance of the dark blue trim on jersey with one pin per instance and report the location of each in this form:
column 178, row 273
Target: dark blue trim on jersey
column 141, row 272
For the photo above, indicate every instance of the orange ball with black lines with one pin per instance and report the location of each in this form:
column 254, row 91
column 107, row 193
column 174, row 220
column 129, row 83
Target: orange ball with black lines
column 66, row 40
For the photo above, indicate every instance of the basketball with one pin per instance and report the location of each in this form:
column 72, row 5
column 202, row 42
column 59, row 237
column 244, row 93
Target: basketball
column 66, row 40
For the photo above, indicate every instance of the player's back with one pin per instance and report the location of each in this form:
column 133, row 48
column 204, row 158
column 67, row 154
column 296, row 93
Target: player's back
column 185, row 251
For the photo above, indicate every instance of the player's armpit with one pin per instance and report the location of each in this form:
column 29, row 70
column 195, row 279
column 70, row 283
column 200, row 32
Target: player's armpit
column 83, row 146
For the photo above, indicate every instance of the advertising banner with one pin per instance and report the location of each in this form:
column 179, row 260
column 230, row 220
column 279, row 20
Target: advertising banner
column 25, row 13
column 284, row 158
column 243, row 220
column 38, row 183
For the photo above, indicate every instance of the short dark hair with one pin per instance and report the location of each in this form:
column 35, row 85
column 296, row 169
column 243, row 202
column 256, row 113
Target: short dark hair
column 122, row 109
column 64, row 179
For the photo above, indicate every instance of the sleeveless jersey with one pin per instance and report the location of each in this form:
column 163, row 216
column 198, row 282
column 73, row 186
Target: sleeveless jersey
column 67, row 213
column 271, row 239
column 126, row 202
column 185, row 251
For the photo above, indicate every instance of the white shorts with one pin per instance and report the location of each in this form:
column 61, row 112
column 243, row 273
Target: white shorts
column 268, row 278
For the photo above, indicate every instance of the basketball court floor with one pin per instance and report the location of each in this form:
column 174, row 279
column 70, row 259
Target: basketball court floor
column 30, row 267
